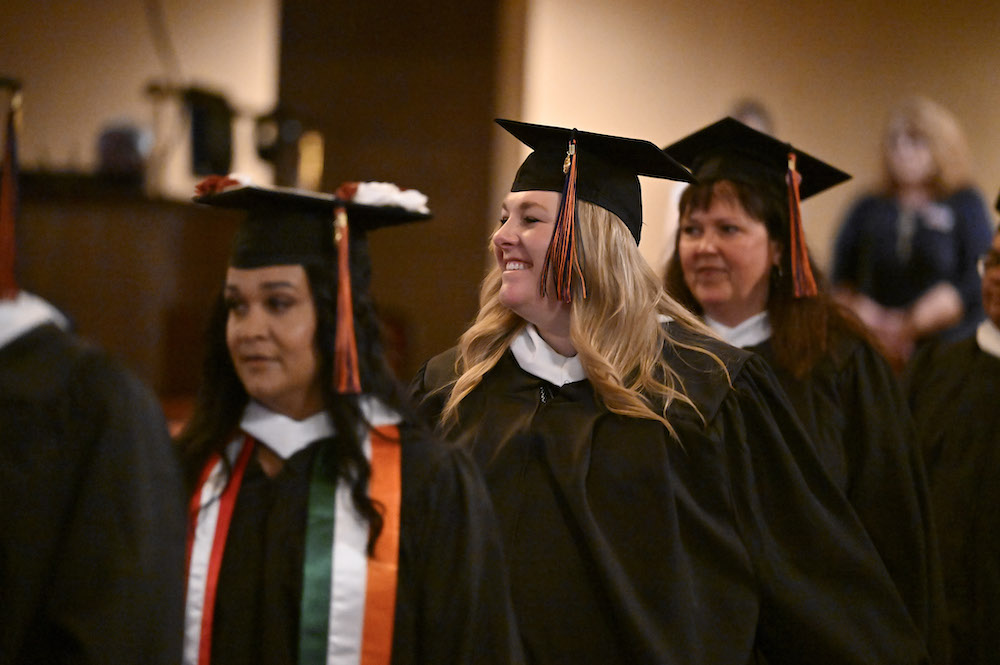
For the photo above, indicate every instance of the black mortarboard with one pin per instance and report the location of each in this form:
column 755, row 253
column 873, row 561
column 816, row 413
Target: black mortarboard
column 285, row 226
column 596, row 168
column 729, row 150
column 608, row 167
column 290, row 226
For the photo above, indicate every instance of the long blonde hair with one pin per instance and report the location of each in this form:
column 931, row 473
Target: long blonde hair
column 617, row 330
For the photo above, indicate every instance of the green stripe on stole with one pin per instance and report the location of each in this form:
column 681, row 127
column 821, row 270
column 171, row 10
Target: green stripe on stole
column 314, row 619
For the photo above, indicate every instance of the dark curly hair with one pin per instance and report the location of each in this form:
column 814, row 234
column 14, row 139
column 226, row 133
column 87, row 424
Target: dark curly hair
column 221, row 397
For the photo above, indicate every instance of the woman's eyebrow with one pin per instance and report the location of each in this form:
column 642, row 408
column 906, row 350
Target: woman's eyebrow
column 526, row 205
column 270, row 286
column 265, row 286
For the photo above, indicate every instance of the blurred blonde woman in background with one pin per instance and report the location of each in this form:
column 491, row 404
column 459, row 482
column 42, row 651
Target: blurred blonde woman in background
column 905, row 257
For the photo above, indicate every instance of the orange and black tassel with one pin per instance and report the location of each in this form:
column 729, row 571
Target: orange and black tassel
column 561, row 258
column 802, row 275
column 345, row 354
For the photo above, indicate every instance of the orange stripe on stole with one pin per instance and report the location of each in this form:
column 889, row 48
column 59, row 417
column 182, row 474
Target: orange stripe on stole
column 385, row 487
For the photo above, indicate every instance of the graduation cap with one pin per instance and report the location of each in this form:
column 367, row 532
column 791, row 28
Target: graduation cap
column 287, row 226
column 730, row 150
column 596, row 168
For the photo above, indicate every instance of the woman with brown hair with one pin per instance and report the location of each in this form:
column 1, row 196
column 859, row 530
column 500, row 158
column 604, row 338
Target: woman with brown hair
column 742, row 264
column 658, row 501
column 905, row 256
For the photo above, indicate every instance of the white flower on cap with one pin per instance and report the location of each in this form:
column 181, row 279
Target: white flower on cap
column 388, row 194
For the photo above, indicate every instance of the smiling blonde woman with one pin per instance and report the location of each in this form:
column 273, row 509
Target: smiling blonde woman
column 658, row 501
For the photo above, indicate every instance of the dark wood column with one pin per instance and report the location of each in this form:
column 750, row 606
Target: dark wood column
column 404, row 92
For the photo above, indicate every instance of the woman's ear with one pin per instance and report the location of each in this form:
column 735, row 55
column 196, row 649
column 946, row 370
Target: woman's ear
column 776, row 250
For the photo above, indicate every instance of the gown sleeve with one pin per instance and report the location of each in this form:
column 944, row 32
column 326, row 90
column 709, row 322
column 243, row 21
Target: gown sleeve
column 122, row 561
column 456, row 607
column 825, row 594
column 93, row 564
column 887, row 487
column 953, row 391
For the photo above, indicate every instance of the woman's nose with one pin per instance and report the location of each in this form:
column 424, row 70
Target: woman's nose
column 706, row 243
column 503, row 236
column 252, row 324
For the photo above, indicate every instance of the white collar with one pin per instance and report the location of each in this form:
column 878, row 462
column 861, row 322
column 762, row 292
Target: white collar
column 287, row 436
column 751, row 332
column 536, row 357
column 988, row 338
column 25, row 312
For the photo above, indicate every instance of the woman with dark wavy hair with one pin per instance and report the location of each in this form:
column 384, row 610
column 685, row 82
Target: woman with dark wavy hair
column 742, row 264
column 325, row 523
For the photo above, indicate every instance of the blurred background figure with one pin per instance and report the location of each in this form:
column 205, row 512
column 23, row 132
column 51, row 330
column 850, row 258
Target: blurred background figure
column 742, row 265
column 905, row 256
column 953, row 391
column 92, row 525
column 753, row 113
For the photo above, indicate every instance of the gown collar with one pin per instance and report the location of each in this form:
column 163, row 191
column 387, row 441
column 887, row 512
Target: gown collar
column 25, row 312
column 536, row 357
column 751, row 332
column 988, row 338
column 285, row 436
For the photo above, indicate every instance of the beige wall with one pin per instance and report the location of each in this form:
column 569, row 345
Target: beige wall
column 651, row 68
column 86, row 64
column 659, row 69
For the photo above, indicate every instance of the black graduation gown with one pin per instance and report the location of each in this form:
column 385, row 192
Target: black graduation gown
column 855, row 413
column 92, row 518
column 452, row 602
column 626, row 546
column 953, row 392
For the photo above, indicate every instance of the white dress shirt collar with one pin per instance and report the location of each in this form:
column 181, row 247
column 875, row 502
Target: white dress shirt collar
column 988, row 338
column 751, row 332
column 536, row 357
column 25, row 312
column 285, row 436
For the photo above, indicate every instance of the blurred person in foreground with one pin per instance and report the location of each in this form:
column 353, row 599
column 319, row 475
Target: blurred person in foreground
column 92, row 519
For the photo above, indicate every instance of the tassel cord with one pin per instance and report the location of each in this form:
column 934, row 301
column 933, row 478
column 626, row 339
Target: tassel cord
column 346, row 376
column 561, row 259
column 803, row 280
